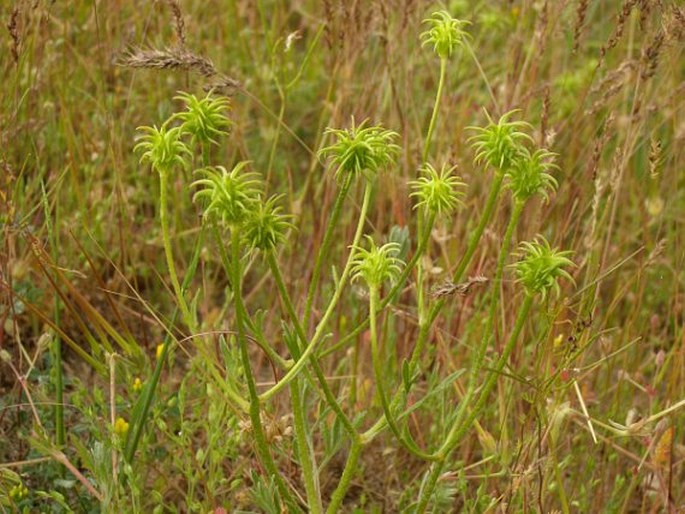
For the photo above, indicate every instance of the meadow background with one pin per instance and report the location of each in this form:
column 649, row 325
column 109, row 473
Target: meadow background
column 82, row 261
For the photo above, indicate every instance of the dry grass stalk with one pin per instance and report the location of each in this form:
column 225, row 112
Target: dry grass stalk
column 620, row 27
column 581, row 13
column 179, row 59
column 13, row 29
column 650, row 56
column 655, row 158
column 179, row 23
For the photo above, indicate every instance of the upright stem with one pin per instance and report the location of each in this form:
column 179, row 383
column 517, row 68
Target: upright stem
column 321, row 327
column 304, row 449
column 346, row 478
column 489, row 333
column 456, row 435
column 434, row 116
column 163, row 201
column 255, row 409
column 379, row 373
column 290, row 309
column 325, row 244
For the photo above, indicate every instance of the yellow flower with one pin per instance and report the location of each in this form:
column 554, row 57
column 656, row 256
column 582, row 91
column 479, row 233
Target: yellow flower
column 120, row 427
column 160, row 349
column 137, row 385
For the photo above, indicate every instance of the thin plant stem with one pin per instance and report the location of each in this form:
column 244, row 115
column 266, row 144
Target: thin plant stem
column 325, row 245
column 304, row 449
column 163, row 201
column 489, row 332
column 261, row 443
column 378, row 370
column 340, row 286
column 455, row 437
column 436, row 105
column 287, row 302
column 346, row 478
column 396, row 288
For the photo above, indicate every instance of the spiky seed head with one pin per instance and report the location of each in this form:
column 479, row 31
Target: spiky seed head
column 438, row 192
column 162, row 148
column 266, row 227
column 529, row 175
column 446, row 34
column 376, row 264
column 204, row 119
column 361, row 149
column 231, row 196
column 541, row 267
column 500, row 143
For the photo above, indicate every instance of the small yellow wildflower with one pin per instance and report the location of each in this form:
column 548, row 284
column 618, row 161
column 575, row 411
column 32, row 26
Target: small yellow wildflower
column 19, row 492
column 137, row 385
column 160, row 349
column 120, row 427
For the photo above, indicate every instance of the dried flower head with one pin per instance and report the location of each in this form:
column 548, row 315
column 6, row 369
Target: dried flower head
column 231, row 195
column 446, row 34
column 265, row 227
column 500, row 144
column 162, row 148
column 541, row 267
column 204, row 119
column 529, row 175
column 361, row 149
column 377, row 264
column 439, row 193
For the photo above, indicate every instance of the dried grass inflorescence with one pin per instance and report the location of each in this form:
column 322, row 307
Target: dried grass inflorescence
column 176, row 58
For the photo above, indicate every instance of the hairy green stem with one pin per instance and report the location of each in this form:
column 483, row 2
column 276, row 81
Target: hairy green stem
column 420, row 249
column 305, row 451
column 379, row 371
column 490, row 328
column 255, row 409
column 290, row 309
column 321, row 327
column 456, row 435
column 142, row 408
column 325, row 244
column 346, row 478
column 436, row 105
column 163, row 201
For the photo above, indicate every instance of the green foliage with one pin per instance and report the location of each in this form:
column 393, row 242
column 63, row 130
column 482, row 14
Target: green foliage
column 540, row 267
column 265, row 227
column 445, row 34
column 438, row 192
column 361, row 150
column 499, row 144
column 375, row 264
column 162, row 148
column 230, row 196
column 204, row 119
